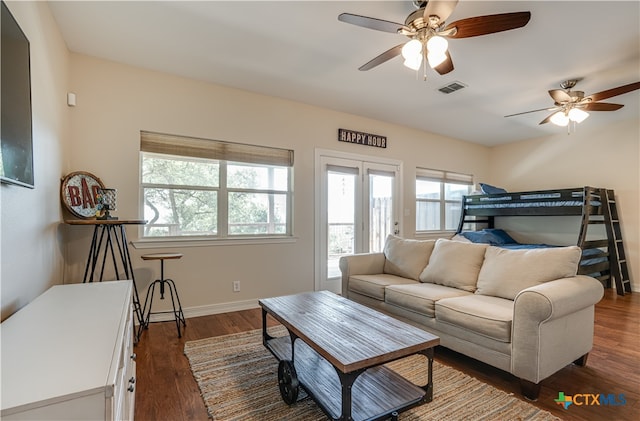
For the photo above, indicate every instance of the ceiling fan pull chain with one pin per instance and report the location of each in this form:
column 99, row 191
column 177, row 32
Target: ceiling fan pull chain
column 424, row 62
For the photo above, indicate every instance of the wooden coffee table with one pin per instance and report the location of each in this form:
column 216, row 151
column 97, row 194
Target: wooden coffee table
column 335, row 350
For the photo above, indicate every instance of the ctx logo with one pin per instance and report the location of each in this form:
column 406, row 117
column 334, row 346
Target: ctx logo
column 590, row 399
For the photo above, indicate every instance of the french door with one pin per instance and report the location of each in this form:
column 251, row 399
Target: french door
column 358, row 209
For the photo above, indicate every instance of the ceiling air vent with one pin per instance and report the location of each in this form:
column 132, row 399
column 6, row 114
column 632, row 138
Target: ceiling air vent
column 452, row 87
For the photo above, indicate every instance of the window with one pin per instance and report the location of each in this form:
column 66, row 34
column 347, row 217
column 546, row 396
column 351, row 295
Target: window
column 439, row 199
column 199, row 187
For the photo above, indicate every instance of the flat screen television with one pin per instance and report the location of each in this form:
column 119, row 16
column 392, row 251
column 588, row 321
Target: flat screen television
column 16, row 163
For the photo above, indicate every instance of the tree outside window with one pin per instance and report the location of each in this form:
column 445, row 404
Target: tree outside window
column 196, row 196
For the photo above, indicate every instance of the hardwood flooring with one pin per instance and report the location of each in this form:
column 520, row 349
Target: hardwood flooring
column 166, row 389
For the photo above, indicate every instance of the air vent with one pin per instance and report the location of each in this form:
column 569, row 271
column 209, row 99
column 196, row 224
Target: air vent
column 452, row 87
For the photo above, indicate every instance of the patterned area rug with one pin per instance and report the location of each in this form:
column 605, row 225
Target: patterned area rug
column 238, row 380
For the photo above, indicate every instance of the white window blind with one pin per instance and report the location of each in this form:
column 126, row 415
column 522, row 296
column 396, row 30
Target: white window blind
column 443, row 176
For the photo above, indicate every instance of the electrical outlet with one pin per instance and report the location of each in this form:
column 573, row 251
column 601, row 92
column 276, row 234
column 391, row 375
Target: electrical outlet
column 236, row 286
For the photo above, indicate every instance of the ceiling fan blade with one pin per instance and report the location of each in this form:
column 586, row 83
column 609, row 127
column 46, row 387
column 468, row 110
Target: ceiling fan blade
column 601, row 106
column 560, row 96
column 614, row 92
column 446, row 66
column 441, row 9
column 372, row 23
column 489, row 24
column 546, row 120
column 386, row 56
column 534, row 111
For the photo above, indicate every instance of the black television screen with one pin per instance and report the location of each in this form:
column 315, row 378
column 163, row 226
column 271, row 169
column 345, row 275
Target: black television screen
column 16, row 163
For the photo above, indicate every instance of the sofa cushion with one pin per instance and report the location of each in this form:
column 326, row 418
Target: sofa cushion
column 405, row 257
column 374, row 285
column 506, row 272
column 420, row 297
column 454, row 264
column 487, row 316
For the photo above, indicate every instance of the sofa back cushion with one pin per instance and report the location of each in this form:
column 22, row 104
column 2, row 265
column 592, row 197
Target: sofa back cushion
column 506, row 272
column 454, row 264
column 406, row 258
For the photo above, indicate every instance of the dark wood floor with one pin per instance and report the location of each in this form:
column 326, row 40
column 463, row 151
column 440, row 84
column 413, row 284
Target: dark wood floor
column 166, row 389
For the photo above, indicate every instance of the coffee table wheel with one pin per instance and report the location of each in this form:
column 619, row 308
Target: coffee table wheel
column 288, row 382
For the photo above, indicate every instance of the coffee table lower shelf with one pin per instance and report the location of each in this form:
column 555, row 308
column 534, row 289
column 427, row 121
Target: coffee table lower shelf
column 377, row 393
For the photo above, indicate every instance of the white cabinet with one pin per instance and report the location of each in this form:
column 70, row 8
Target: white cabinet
column 68, row 355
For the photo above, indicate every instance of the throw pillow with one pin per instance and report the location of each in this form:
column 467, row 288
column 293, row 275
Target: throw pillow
column 406, row 258
column 454, row 264
column 501, row 236
column 506, row 272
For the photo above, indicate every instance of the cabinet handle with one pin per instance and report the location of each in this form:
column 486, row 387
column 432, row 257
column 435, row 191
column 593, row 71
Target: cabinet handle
column 130, row 388
column 132, row 380
column 133, row 356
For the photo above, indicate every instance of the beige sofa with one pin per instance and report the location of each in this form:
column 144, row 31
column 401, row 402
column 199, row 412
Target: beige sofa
column 522, row 311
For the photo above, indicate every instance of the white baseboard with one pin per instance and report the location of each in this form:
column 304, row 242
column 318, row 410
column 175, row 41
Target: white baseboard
column 207, row 310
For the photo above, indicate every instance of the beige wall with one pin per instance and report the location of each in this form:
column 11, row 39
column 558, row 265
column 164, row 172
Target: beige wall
column 31, row 250
column 115, row 102
column 607, row 157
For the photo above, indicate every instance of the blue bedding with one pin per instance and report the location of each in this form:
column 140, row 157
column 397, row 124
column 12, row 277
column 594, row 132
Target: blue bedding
column 499, row 238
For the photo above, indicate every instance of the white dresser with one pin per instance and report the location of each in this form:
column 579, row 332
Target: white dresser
column 68, row 355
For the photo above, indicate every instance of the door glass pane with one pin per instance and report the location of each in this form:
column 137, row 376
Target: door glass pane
column 380, row 210
column 340, row 218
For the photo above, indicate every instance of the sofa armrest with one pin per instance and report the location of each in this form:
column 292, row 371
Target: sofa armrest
column 551, row 300
column 360, row 264
column 553, row 325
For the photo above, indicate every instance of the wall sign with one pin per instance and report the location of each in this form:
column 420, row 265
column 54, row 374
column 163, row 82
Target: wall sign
column 78, row 193
column 361, row 138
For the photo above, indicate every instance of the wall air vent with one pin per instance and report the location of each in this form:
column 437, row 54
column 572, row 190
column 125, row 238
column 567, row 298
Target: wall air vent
column 452, row 87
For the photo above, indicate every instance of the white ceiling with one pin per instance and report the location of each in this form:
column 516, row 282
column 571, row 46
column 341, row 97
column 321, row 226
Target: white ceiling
column 300, row 51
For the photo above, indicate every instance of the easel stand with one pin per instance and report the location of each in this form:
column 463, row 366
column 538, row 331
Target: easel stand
column 106, row 234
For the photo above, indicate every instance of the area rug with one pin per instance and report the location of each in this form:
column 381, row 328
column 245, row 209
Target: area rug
column 238, row 380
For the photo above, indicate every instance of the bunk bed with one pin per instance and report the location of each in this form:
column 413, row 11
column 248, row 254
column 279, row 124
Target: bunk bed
column 602, row 258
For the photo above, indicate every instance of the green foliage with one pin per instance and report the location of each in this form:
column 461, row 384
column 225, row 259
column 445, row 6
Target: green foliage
column 184, row 198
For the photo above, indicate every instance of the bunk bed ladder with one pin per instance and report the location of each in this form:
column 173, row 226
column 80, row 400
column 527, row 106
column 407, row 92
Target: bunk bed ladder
column 617, row 257
column 599, row 248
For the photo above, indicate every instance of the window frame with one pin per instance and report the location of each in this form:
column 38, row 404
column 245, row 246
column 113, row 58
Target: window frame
column 222, row 194
column 443, row 178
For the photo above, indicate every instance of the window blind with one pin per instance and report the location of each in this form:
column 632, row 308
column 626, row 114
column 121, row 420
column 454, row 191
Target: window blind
column 443, row 176
column 214, row 149
column 342, row 170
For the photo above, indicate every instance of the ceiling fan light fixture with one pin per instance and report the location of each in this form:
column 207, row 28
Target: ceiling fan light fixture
column 413, row 63
column 577, row 115
column 437, row 45
column 436, row 59
column 412, row 49
column 559, row 119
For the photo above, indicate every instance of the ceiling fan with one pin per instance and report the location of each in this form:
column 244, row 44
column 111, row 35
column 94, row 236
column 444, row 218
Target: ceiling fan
column 427, row 30
column 572, row 106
